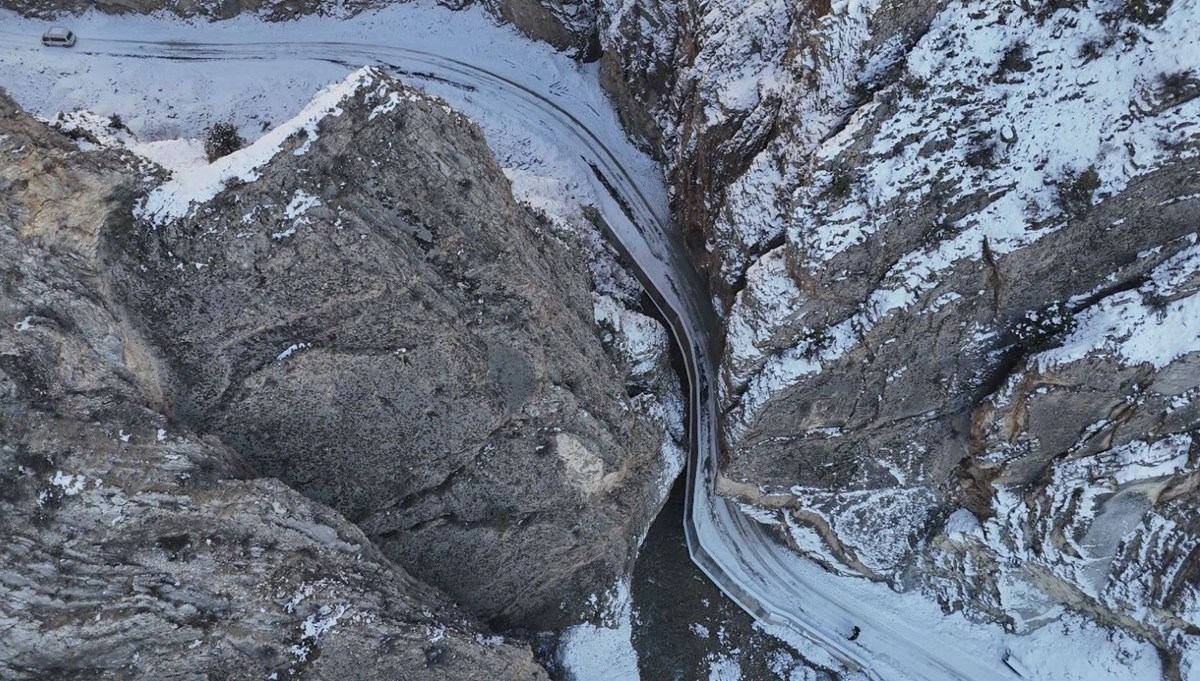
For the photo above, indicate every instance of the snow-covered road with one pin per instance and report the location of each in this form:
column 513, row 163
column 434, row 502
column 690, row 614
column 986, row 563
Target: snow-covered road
column 904, row 636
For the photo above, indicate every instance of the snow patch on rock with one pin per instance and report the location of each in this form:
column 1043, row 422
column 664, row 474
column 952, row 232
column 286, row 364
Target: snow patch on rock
column 604, row 651
column 177, row 198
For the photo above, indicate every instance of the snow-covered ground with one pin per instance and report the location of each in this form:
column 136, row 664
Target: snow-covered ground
column 603, row 651
column 905, row 635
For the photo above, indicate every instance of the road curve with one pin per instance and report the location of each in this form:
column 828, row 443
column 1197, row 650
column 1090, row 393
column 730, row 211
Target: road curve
column 736, row 552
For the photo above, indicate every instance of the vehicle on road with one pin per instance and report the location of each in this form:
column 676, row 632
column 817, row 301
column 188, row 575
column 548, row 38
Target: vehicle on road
column 1017, row 666
column 58, row 37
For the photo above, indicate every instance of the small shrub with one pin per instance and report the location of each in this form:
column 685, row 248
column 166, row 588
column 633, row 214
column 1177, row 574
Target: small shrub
column 434, row 655
column 982, row 155
column 1015, row 61
column 812, row 342
column 841, row 183
column 939, row 230
column 222, row 140
column 915, row 85
column 1049, row 7
column 1076, row 189
column 862, row 91
column 1037, row 329
column 1147, row 12
column 233, row 182
column 1091, row 50
column 1179, row 87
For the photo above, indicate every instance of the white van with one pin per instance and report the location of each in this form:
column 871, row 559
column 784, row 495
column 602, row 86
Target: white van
column 58, row 37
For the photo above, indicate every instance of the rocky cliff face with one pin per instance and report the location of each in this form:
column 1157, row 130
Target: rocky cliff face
column 134, row 546
column 967, row 363
column 362, row 310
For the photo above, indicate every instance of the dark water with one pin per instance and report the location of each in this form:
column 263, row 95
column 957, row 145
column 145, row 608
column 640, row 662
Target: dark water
column 684, row 627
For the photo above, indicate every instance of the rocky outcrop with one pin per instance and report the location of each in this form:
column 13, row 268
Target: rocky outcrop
column 735, row 97
column 134, row 547
column 357, row 305
column 968, row 362
column 567, row 25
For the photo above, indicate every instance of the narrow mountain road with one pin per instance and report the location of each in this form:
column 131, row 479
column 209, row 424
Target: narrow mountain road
column 735, row 551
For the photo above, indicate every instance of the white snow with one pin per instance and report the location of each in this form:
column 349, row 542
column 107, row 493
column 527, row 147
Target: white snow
column 271, row 70
column 642, row 341
column 176, row 198
column 291, row 350
column 181, row 156
column 962, row 524
column 300, row 204
column 762, row 308
column 603, row 653
column 815, row 79
column 1100, row 127
column 315, row 627
column 1036, row 134
column 69, row 484
column 290, row 231
column 89, row 127
column 897, row 628
column 724, row 668
column 1132, row 327
column 272, row 83
column 856, row 518
column 1068, row 116
column 1101, row 505
column 1135, row 330
column 785, row 668
column 561, row 198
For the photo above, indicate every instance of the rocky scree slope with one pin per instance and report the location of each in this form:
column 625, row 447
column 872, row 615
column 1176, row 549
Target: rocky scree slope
column 362, row 310
column 967, row 358
column 134, row 547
